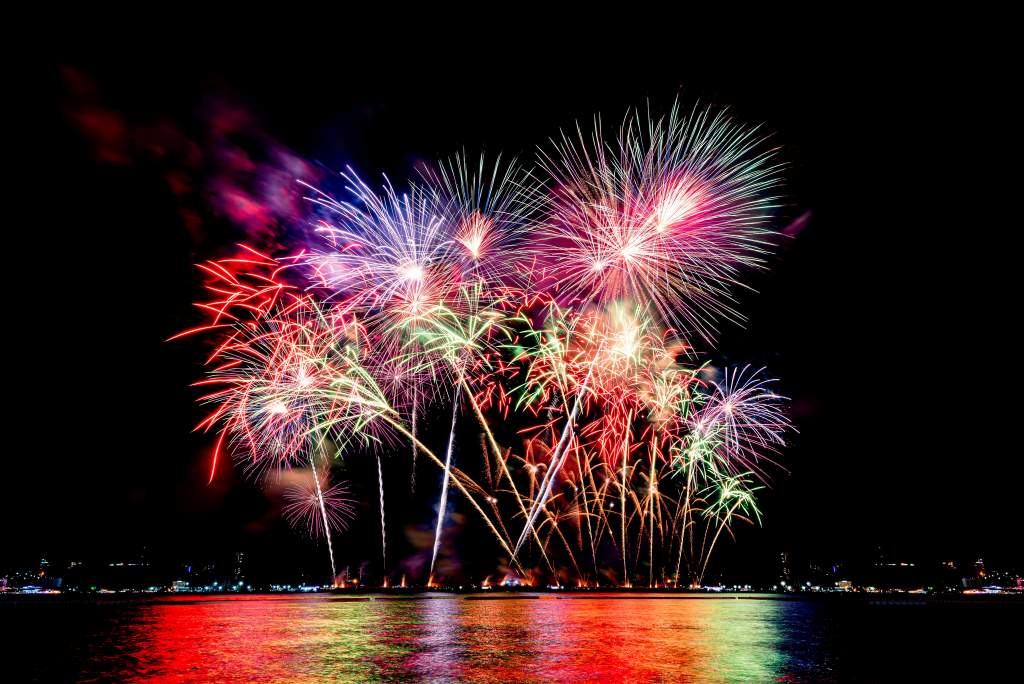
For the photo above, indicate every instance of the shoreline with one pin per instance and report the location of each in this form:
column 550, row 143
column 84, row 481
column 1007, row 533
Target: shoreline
column 352, row 596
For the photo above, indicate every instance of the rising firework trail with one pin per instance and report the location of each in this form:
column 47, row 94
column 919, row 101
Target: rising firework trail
column 323, row 516
column 558, row 460
column 443, row 504
column 383, row 526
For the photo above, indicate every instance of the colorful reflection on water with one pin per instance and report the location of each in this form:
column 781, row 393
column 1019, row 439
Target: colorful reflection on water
column 501, row 638
column 454, row 638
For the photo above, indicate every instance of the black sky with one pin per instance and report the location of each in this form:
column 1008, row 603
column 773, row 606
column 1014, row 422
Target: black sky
column 883, row 318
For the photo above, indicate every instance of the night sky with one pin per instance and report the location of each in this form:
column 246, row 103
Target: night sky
column 880, row 317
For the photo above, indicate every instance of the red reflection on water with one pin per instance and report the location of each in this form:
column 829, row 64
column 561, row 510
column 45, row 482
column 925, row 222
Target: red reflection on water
column 222, row 639
column 449, row 638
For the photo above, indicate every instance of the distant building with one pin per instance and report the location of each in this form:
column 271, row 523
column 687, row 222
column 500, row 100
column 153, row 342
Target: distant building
column 979, row 568
column 238, row 571
column 785, row 568
column 978, row 576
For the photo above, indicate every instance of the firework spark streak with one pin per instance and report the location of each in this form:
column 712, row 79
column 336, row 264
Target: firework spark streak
column 323, row 516
column 383, row 526
column 558, row 460
column 573, row 303
column 443, row 505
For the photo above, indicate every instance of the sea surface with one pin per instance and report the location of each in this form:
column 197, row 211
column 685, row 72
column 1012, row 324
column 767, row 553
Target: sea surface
column 508, row 638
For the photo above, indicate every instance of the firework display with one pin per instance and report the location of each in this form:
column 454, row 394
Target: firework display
column 565, row 314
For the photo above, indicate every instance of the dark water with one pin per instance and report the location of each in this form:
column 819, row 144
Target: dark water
column 316, row 638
